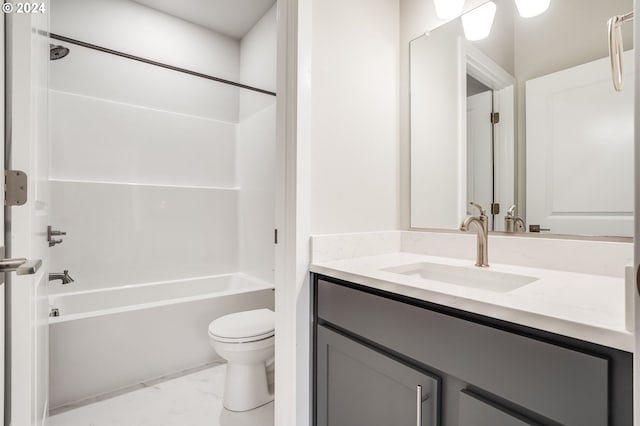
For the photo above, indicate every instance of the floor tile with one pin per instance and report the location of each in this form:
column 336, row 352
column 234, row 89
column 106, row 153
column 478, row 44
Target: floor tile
column 191, row 400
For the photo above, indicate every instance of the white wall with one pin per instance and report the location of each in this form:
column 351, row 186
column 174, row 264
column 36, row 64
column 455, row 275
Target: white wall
column 338, row 139
column 354, row 85
column 138, row 30
column 256, row 150
column 258, row 64
column 130, row 234
column 135, row 29
column 105, row 140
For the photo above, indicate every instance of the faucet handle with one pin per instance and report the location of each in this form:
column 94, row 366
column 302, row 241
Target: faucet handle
column 512, row 210
column 483, row 212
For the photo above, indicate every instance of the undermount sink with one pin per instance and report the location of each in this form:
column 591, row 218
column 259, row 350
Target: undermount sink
column 499, row 282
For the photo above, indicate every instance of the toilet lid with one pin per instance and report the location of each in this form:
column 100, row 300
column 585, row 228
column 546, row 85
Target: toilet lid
column 255, row 325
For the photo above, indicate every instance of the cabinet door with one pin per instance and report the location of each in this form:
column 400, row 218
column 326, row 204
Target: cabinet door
column 358, row 386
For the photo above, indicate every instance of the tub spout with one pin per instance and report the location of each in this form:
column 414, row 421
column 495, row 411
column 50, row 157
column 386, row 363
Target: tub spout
column 64, row 277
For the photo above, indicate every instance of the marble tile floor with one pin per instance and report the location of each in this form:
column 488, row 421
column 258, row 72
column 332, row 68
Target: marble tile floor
column 193, row 399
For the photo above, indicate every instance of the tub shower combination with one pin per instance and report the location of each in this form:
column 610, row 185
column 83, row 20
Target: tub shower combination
column 163, row 177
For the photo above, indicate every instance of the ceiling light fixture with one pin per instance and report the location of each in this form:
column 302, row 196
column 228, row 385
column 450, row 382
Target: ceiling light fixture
column 448, row 9
column 477, row 23
column 531, row 8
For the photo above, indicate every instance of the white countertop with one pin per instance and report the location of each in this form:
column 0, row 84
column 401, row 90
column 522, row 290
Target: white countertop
column 583, row 306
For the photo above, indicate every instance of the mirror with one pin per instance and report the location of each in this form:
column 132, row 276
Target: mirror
column 527, row 116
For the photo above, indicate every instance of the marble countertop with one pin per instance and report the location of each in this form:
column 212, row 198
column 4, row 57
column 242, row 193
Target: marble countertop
column 582, row 306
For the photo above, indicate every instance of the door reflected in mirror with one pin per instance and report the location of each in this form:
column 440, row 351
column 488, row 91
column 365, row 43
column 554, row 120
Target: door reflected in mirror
column 526, row 117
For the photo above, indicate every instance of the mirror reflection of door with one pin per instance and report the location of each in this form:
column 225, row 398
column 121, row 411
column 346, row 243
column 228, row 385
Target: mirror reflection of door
column 480, row 163
column 562, row 148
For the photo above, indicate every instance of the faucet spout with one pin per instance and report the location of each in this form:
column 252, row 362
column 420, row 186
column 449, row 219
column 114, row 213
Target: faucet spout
column 513, row 223
column 64, row 277
column 468, row 221
column 481, row 223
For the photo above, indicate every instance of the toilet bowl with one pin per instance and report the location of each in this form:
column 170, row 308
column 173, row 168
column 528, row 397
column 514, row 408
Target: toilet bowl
column 246, row 341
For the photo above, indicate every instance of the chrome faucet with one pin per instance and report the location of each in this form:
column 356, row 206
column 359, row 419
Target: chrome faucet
column 513, row 223
column 482, row 229
column 64, row 277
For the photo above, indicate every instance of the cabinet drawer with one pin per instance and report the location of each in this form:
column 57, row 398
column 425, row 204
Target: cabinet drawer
column 475, row 412
column 561, row 384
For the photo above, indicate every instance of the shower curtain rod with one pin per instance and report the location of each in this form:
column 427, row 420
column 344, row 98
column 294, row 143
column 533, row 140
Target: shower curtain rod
column 155, row 63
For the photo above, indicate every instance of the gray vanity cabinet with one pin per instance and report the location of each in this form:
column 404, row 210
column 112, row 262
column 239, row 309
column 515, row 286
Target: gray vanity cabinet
column 373, row 348
column 474, row 411
column 363, row 387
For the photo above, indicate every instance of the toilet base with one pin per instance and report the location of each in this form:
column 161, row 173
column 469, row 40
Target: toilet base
column 245, row 387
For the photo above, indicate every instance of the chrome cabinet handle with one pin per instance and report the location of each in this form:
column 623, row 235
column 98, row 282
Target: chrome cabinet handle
column 21, row 266
column 418, row 405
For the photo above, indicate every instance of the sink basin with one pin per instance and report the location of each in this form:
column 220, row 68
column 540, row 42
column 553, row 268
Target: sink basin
column 499, row 282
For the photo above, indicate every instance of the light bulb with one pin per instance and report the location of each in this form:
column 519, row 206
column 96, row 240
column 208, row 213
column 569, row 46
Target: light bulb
column 477, row 23
column 531, row 8
column 448, row 9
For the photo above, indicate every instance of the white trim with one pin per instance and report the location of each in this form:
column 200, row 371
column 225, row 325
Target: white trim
column 27, row 66
column 3, row 324
column 292, row 304
column 488, row 72
column 636, row 239
column 156, row 185
column 301, row 294
column 504, row 154
column 462, row 46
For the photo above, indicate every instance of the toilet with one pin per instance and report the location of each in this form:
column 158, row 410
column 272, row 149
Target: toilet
column 246, row 341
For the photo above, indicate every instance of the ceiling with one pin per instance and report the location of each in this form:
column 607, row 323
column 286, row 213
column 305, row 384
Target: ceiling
column 230, row 17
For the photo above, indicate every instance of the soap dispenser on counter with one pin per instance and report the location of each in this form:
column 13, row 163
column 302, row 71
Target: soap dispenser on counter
column 513, row 223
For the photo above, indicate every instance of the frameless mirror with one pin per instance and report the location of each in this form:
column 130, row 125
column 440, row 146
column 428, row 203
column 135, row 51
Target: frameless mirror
column 528, row 117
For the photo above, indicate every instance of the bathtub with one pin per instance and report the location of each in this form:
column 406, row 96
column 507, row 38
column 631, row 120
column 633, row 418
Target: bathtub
column 109, row 339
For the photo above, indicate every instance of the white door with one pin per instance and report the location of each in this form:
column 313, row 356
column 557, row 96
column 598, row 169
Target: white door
column 479, row 151
column 27, row 59
column 580, row 152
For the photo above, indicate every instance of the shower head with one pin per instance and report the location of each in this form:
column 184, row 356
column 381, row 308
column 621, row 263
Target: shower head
column 57, row 52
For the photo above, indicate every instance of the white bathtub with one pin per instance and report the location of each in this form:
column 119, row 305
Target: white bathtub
column 109, row 339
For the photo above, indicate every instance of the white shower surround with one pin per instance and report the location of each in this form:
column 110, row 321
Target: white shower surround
column 159, row 175
column 108, row 339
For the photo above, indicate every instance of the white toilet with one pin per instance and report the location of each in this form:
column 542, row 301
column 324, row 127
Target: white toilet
column 246, row 340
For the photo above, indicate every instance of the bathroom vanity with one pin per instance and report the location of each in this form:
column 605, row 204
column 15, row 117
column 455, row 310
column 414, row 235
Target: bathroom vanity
column 381, row 358
column 410, row 345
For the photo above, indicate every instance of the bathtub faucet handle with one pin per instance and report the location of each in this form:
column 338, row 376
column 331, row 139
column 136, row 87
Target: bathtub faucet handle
column 54, row 233
column 64, row 277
